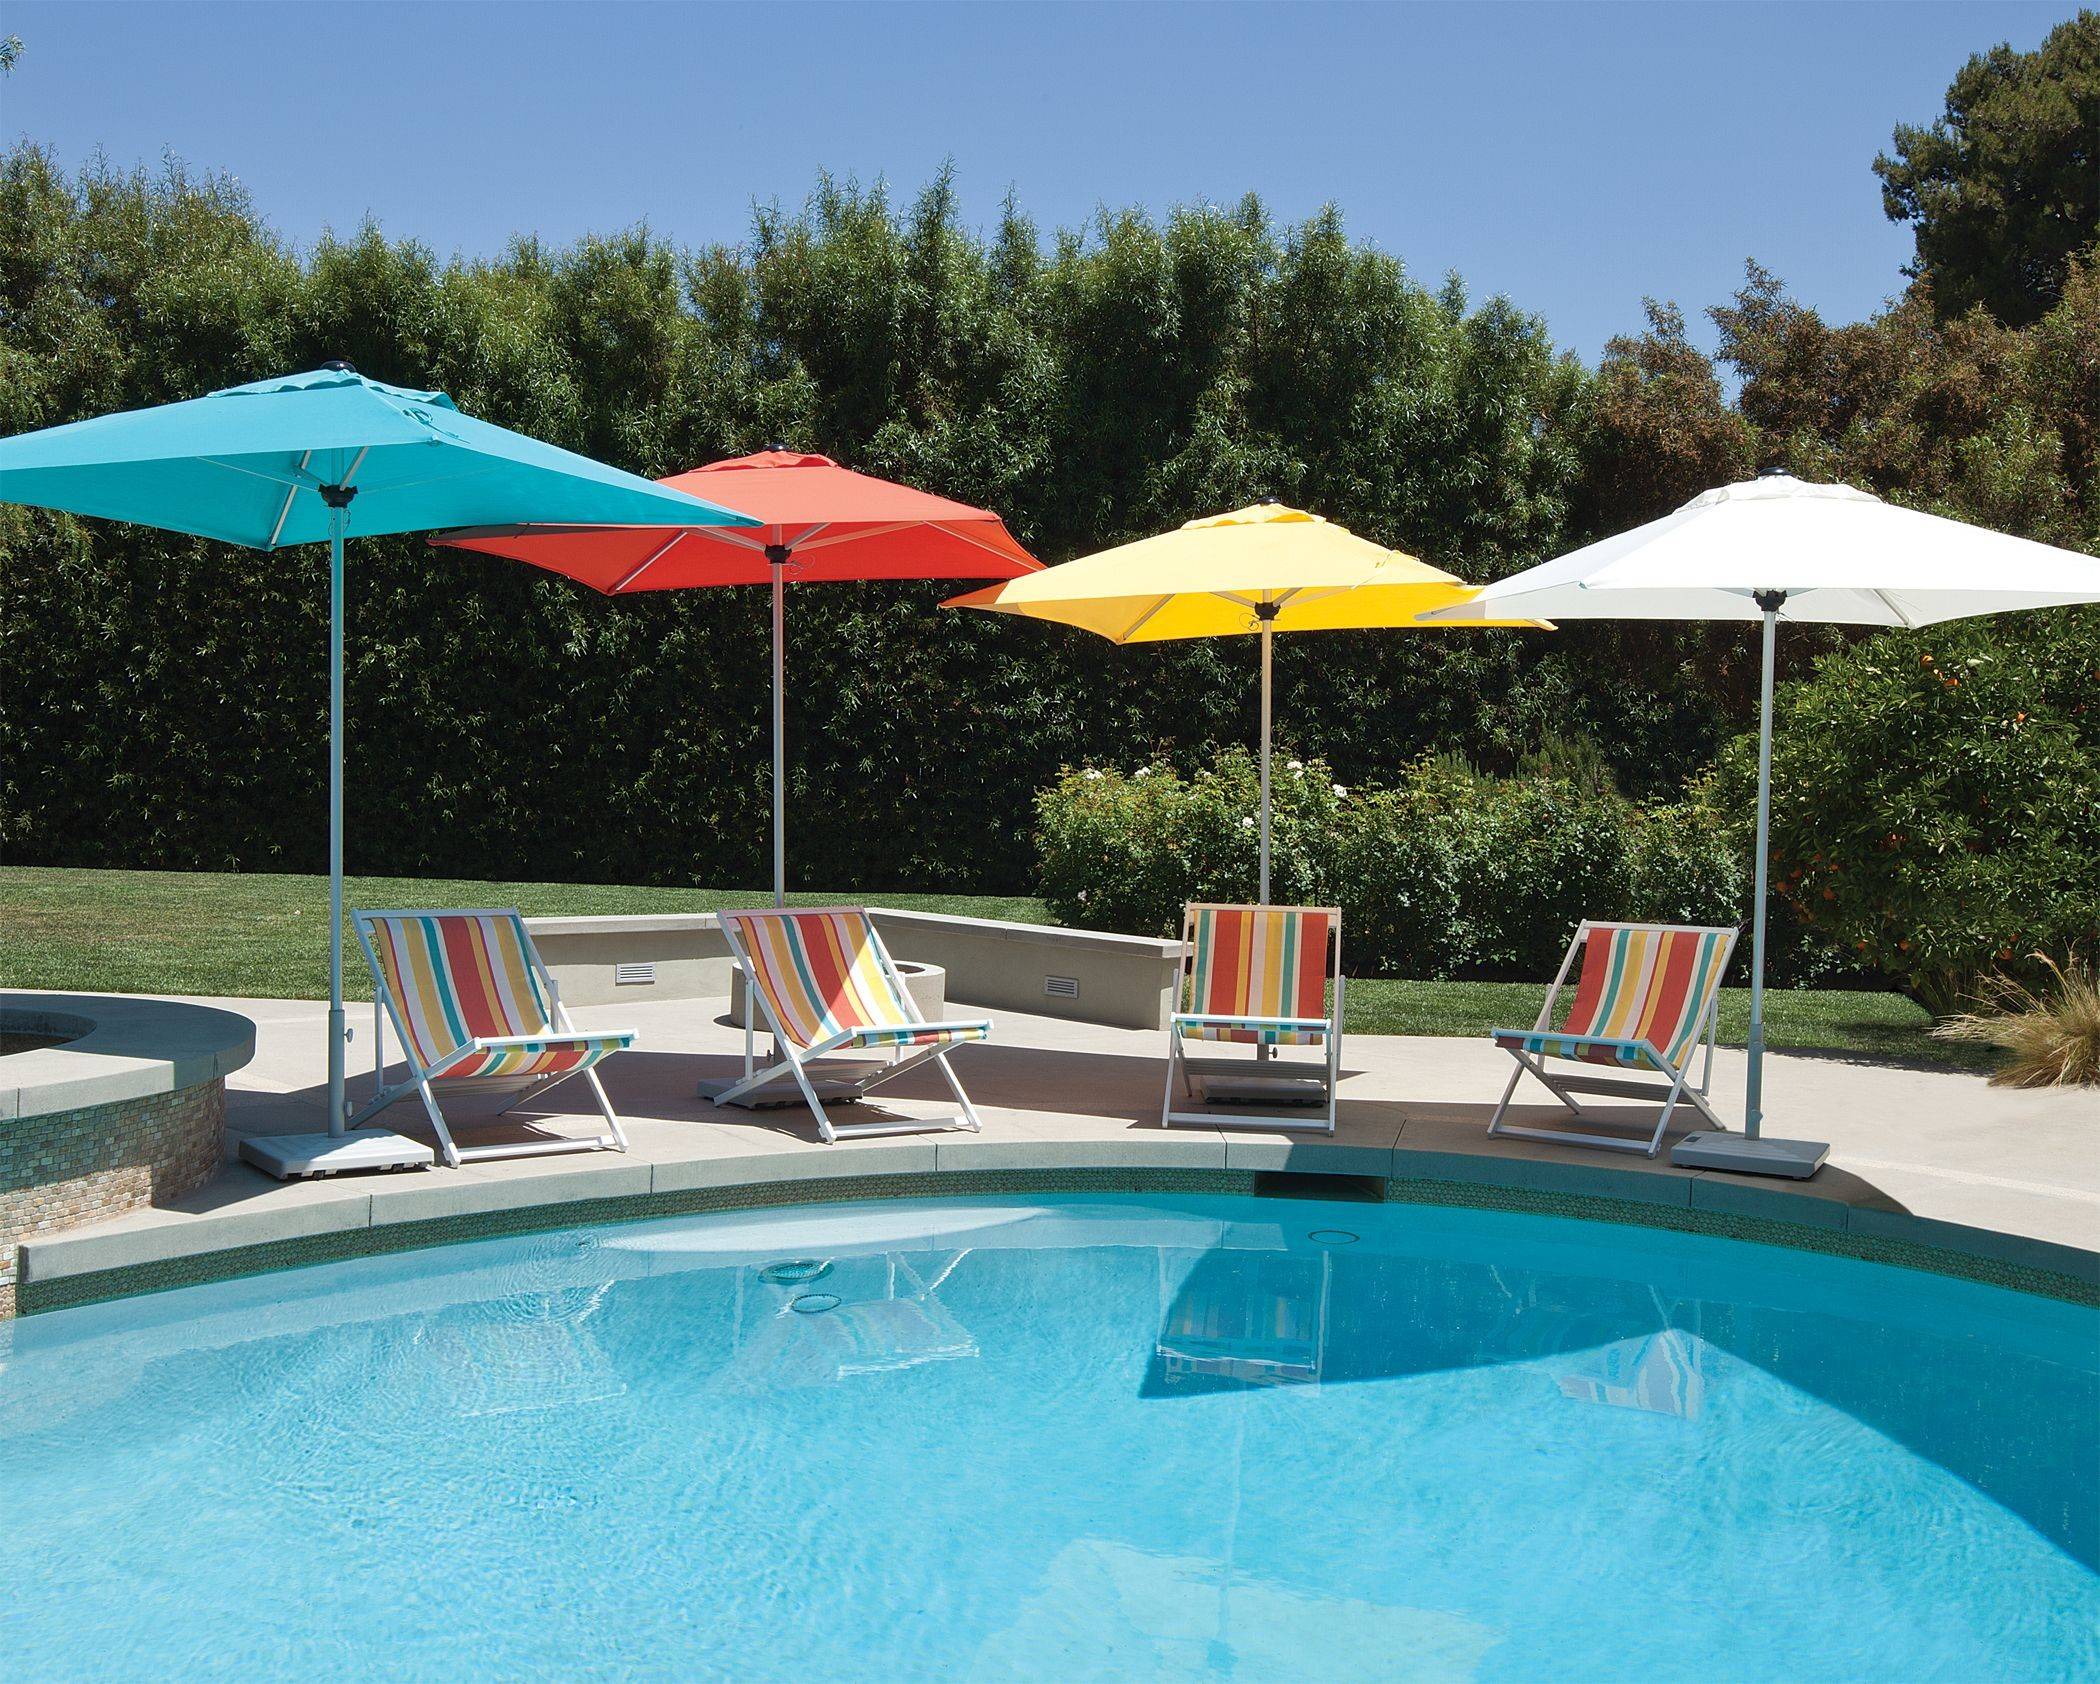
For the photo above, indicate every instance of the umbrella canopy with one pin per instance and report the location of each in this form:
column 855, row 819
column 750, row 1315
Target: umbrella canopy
column 1265, row 568
column 1214, row 577
column 1779, row 548
column 322, row 456
column 247, row 466
column 1835, row 554
column 836, row 525
column 814, row 521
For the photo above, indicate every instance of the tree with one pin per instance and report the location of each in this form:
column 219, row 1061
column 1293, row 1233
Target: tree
column 2003, row 188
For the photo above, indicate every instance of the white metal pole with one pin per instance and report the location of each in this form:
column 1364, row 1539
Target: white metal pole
column 1268, row 633
column 338, row 1029
column 1754, row 1082
column 778, row 554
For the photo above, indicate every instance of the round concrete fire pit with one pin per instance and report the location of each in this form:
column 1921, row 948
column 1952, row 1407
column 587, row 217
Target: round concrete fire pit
column 106, row 1104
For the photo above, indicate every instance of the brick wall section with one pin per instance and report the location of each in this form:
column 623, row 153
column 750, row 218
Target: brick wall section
column 70, row 1168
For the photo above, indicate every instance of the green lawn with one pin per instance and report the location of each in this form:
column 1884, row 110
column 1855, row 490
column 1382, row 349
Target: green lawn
column 1826, row 1020
column 266, row 936
column 263, row 936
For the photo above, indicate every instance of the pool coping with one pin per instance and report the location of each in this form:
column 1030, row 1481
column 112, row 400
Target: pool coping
column 339, row 1220
column 122, row 1047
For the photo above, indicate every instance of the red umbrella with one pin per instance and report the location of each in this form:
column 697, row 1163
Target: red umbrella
column 819, row 521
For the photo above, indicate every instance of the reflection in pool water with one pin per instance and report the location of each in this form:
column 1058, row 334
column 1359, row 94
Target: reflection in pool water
column 1059, row 1439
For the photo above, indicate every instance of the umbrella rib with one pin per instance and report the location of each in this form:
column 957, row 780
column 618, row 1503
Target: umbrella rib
column 655, row 556
column 298, row 477
column 737, row 536
column 1137, row 625
column 965, row 537
column 1902, row 618
column 285, row 508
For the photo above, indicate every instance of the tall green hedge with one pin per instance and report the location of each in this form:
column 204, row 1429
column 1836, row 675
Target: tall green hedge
column 161, row 700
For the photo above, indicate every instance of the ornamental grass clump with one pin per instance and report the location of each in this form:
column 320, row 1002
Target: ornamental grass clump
column 2050, row 1033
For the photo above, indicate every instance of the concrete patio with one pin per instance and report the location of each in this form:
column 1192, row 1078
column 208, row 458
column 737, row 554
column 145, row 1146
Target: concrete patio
column 1920, row 1158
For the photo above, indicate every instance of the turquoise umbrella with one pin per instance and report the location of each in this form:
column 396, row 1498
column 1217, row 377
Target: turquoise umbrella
column 326, row 455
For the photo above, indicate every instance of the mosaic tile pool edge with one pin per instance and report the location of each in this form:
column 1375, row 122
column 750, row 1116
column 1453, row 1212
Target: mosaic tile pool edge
column 65, row 1292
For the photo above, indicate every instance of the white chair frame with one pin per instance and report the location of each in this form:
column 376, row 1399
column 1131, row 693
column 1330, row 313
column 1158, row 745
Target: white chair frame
column 420, row 1075
column 1676, row 1087
column 1189, row 1070
column 845, row 1084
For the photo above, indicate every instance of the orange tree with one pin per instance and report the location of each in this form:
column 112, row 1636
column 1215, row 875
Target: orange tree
column 1936, row 799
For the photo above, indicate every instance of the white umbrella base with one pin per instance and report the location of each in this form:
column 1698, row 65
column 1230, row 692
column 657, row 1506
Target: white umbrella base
column 1797, row 1160
column 287, row 1156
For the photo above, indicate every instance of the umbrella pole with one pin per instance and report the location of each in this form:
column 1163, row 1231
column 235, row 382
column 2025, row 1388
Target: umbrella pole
column 337, row 1028
column 1266, row 613
column 778, row 555
column 1754, row 1082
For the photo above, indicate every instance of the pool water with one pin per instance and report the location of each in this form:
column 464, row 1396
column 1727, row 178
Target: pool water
column 1048, row 1438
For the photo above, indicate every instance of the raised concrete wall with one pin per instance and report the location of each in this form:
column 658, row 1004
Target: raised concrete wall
column 688, row 949
column 1122, row 981
column 127, row 1111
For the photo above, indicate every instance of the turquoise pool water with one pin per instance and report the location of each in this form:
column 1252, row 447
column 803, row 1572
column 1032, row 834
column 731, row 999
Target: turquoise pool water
column 1059, row 1439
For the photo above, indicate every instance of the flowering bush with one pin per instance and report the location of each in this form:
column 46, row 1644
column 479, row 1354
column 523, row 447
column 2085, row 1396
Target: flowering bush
column 1447, row 873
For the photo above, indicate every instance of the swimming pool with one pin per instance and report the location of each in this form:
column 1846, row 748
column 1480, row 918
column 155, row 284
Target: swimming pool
column 1059, row 1438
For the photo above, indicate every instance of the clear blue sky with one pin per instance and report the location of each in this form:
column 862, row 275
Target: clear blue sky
column 1573, row 157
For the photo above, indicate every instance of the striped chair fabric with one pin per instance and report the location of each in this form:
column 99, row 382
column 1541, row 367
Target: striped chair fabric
column 823, row 976
column 1253, row 963
column 1636, row 985
column 458, row 978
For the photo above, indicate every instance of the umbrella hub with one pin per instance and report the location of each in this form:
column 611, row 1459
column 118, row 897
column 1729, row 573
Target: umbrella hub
column 1769, row 602
column 779, row 554
column 336, row 496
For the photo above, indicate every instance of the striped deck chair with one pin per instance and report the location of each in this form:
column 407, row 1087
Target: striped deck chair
column 827, row 986
column 1648, row 995
column 1257, row 976
column 473, row 1004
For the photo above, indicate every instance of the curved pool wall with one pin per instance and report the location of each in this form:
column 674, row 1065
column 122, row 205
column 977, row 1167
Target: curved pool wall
column 1320, row 1439
column 124, row 1108
column 229, row 1245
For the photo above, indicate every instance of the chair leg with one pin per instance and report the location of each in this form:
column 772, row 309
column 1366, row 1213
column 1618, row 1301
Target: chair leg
column 969, row 1110
column 612, row 1120
column 1662, row 1123
column 1166, row 1104
column 437, row 1121
column 816, row 1105
column 1508, row 1093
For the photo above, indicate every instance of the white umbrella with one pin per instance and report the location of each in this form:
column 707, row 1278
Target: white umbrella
column 1778, row 548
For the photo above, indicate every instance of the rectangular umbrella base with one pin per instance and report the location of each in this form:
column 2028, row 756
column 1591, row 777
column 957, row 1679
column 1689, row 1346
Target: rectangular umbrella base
column 836, row 1079
column 288, row 1156
column 1226, row 1081
column 1797, row 1160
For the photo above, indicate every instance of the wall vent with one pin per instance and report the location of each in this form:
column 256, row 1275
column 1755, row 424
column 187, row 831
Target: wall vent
column 636, row 971
column 1061, row 987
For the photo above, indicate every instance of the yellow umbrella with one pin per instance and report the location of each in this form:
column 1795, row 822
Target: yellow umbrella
column 1266, row 568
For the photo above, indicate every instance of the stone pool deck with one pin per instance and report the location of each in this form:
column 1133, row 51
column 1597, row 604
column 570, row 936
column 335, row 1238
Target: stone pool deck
column 1927, row 1167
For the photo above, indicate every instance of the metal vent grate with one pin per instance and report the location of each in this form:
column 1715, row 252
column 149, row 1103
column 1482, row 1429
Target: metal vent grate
column 638, row 971
column 1061, row 987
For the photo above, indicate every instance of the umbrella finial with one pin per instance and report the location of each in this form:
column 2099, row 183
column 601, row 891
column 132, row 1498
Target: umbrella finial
column 336, row 365
column 1775, row 473
column 778, row 449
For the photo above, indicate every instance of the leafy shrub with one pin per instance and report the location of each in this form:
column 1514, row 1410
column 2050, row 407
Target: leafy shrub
column 1685, row 861
column 1126, row 852
column 1936, row 799
column 1447, row 873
